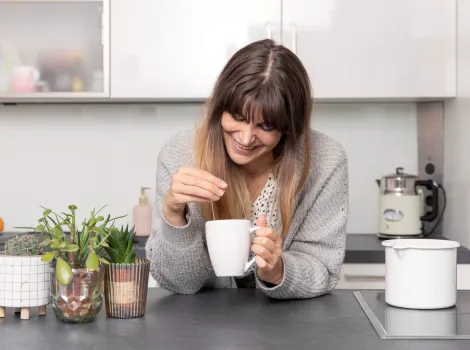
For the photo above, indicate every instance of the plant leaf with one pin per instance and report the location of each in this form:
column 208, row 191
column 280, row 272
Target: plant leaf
column 104, row 261
column 45, row 243
column 57, row 232
column 102, row 252
column 104, row 206
column 46, row 212
column 63, row 272
column 118, row 217
column 53, row 221
column 83, row 240
column 71, row 248
column 41, row 228
column 98, row 230
column 130, row 241
column 48, row 257
column 92, row 263
column 105, row 222
column 25, row 227
column 104, row 244
column 130, row 258
column 114, row 255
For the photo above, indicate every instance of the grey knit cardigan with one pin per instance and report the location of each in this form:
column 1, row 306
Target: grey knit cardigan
column 313, row 249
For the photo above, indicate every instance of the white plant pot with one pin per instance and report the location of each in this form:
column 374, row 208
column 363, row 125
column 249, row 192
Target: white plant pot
column 24, row 281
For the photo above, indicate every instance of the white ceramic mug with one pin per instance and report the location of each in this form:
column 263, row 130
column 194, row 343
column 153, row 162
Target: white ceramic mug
column 228, row 243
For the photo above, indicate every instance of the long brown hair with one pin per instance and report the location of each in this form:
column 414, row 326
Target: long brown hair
column 267, row 80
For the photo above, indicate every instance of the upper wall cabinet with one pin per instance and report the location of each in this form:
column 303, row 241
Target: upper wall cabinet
column 54, row 49
column 163, row 49
column 374, row 49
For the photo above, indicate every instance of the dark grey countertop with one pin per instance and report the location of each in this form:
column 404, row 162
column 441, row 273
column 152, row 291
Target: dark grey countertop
column 217, row 319
column 368, row 249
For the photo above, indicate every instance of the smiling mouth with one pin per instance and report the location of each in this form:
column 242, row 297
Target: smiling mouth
column 239, row 145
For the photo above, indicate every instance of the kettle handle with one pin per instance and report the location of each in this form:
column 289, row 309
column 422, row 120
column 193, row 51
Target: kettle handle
column 430, row 185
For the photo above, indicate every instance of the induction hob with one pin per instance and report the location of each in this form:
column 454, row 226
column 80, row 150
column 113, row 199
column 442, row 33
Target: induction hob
column 398, row 323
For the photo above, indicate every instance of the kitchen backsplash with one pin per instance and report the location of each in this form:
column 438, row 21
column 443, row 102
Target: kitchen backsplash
column 91, row 155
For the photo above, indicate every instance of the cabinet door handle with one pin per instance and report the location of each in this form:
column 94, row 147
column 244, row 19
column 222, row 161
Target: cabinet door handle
column 294, row 39
column 102, row 26
column 269, row 30
column 371, row 278
column 105, row 24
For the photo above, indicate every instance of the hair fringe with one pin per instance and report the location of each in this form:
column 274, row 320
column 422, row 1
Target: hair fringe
column 284, row 99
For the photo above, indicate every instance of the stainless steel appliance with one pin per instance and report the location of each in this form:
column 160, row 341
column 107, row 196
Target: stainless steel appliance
column 402, row 205
column 398, row 323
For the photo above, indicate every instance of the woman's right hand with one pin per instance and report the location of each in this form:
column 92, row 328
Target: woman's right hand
column 190, row 185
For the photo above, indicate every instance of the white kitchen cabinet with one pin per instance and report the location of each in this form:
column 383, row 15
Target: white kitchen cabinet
column 372, row 276
column 175, row 49
column 374, row 49
column 54, row 50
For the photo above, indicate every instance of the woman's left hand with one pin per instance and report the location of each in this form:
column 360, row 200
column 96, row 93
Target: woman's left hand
column 267, row 246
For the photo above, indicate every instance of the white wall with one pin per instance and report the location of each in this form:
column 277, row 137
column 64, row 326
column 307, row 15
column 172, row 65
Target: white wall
column 457, row 140
column 90, row 155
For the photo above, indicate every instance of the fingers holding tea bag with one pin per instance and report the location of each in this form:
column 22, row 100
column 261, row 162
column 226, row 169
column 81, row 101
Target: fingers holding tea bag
column 190, row 185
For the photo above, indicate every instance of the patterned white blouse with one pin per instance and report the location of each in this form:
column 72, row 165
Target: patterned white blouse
column 265, row 205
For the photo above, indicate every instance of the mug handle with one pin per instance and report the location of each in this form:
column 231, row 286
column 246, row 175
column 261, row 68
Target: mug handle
column 252, row 261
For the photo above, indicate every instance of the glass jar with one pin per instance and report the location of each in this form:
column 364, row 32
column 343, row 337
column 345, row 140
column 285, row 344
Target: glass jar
column 80, row 301
column 125, row 289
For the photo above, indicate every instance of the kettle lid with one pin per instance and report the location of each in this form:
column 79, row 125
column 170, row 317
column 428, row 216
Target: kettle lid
column 399, row 173
column 399, row 183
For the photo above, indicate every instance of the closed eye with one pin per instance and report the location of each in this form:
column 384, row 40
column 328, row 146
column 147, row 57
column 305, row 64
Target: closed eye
column 238, row 117
column 266, row 127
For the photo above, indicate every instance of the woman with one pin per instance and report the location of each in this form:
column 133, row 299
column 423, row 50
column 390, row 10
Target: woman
column 255, row 156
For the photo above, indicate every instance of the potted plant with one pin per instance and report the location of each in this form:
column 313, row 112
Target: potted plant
column 126, row 278
column 76, row 252
column 24, row 277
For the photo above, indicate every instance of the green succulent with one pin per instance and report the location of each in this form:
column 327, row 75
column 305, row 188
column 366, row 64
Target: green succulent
column 121, row 249
column 25, row 245
column 74, row 245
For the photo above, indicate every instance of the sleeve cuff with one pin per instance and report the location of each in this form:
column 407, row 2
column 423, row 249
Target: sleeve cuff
column 182, row 236
column 283, row 289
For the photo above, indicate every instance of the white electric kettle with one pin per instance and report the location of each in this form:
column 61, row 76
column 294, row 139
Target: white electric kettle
column 401, row 205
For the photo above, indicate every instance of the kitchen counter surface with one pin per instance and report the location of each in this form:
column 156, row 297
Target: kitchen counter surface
column 368, row 249
column 217, row 319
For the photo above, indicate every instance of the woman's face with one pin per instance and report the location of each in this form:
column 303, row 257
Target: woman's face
column 249, row 144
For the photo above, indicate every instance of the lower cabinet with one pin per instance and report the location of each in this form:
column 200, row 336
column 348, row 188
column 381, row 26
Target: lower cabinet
column 372, row 276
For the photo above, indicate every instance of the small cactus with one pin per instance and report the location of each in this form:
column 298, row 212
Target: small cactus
column 24, row 245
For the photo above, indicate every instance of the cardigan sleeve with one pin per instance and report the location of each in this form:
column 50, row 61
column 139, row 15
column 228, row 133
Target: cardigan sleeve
column 313, row 261
column 179, row 260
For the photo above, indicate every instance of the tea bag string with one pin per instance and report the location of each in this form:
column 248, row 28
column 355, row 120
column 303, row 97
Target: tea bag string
column 213, row 212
